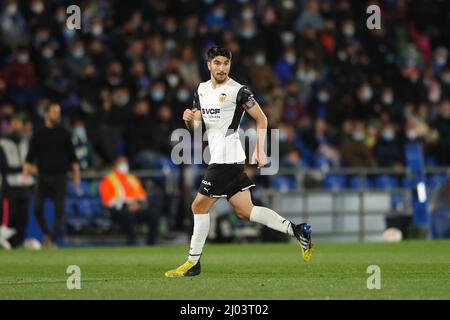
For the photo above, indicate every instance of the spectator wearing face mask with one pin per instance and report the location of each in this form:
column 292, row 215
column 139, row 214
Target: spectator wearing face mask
column 216, row 19
column 322, row 143
column 46, row 60
column 249, row 36
column 287, row 11
column 20, row 78
column 390, row 105
column 285, row 66
column 388, row 149
column 139, row 80
column 288, row 147
column 158, row 93
column 354, row 150
column 310, row 47
column 273, row 105
column 294, row 112
column 114, row 75
column 364, row 102
column 76, row 59
column 13, row 28
column 97, row 31
column 261, row 74
column 189, row 68
column 134, row 52
column 164, row 127
column 36, row 15
column 181, row 99
column 305, row 76
column 122, row 193
column 320, row 105
column 157, row 57
column 310, row 17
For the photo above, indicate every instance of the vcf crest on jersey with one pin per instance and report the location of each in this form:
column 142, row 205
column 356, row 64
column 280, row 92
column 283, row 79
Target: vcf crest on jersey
column 222, row 97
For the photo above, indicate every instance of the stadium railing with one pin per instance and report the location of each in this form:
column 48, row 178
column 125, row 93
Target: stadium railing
column 344, row 204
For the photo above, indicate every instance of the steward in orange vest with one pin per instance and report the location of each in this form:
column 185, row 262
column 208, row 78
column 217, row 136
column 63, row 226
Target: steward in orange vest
column 119, row 188
column 123, row 194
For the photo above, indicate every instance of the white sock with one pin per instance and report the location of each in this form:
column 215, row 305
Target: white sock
column 199, row 235
column 271, row 219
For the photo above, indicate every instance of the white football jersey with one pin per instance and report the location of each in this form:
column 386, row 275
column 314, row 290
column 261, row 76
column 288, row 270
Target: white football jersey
column 222, row 110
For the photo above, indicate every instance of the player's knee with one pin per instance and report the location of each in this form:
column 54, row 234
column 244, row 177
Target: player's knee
column 197, row 207
column 242, row 214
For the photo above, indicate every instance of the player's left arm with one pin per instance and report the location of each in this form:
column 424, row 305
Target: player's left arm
column 254, row 110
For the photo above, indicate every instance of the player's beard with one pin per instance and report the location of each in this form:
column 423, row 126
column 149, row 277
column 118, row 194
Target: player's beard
column 219, row 80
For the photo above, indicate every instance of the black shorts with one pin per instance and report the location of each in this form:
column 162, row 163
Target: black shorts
column 224, row 180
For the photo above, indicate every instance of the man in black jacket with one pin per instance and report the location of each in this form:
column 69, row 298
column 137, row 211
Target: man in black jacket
column 52, row 149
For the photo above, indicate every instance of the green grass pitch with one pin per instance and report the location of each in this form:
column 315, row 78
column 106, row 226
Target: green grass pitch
column 409, row 270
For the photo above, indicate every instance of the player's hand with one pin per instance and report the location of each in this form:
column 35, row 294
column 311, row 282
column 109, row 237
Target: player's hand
column 188, row 114
column 259, row 158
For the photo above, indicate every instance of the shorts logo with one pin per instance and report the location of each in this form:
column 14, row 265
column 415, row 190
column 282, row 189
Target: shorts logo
column 222, row 97
column 206, row 183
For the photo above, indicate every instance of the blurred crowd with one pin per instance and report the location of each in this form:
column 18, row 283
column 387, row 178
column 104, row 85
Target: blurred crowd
column 341, row 94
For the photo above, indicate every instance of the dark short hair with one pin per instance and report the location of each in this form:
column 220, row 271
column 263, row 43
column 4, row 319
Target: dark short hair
column 50, row 105
column 218, row 51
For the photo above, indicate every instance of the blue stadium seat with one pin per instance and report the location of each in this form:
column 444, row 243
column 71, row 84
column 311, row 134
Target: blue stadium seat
column 283, row 183
column 357, row 182
column 84, row 187
column 334, row 182
column 166, row 167
column 320, row 162
column 384, row 182
column 397, row 203
column 84, row 207
column 69, row 206
column 96, row 206
column 406, row 183
column 77, row 222
column 430, row 162
column 435, row 180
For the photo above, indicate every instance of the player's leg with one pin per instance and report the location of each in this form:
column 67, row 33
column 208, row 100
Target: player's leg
column 244, row 208
column 200, row 209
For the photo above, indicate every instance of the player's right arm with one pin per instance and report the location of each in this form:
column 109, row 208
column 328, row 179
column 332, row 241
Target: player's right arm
column 193, row 117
